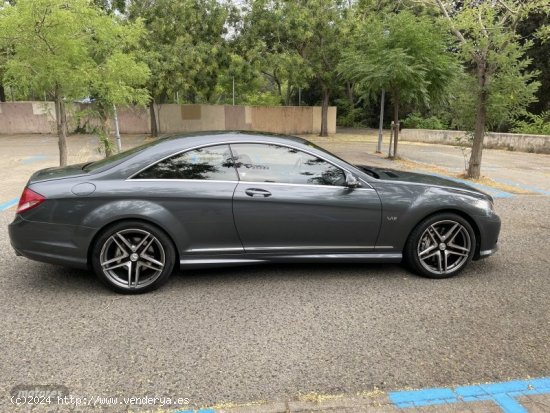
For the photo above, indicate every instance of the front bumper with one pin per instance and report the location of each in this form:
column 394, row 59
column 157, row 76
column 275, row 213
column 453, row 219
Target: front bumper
column 489, row 231
column 488, row 253
column 53, row 243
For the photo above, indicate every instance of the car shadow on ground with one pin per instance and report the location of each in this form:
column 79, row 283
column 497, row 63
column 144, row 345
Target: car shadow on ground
column 42, row 277
column 56, row 278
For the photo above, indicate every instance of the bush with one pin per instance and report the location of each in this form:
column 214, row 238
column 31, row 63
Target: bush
column 416, row 121
column 535, row 125
column 348, row 115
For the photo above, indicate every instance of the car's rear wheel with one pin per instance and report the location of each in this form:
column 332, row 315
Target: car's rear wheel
column 440, row 246
column 133, row 257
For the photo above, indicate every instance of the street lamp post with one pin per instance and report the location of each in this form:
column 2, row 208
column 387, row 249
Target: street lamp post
column 381, row 124
column 117, row 130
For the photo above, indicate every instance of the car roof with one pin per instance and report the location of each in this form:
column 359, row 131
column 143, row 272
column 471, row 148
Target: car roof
column 198, row 138
column 160, row 148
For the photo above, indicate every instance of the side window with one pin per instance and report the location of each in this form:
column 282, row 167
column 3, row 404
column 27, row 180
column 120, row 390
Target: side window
column 210, row 163
column 274, row 163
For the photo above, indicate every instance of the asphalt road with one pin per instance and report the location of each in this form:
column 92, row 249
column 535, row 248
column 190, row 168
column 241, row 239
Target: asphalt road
column 272, row 332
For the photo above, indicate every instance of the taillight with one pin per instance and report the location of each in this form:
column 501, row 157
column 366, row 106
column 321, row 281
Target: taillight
column 29, row 200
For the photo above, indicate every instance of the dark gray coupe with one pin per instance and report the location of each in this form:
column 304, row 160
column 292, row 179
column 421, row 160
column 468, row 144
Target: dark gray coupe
column 231, row 198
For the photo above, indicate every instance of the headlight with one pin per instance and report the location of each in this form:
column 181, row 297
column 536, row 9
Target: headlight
column 486, row 205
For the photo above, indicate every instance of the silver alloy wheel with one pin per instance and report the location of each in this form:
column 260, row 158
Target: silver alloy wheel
column 132, row 258
column 444, row 247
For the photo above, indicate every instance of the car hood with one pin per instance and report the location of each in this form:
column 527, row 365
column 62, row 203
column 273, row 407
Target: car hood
column 405, row 176
column 58, row 173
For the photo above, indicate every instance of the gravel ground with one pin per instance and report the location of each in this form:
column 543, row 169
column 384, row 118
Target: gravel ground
column 272, row 332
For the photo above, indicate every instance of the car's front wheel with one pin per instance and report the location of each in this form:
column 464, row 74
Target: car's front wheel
column 133, row 257
column 440, row 246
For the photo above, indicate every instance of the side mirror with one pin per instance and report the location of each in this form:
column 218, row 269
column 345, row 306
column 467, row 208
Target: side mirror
column 352, row 181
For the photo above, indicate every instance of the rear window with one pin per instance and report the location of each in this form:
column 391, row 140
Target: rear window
column 118, row 158
column 208, row 163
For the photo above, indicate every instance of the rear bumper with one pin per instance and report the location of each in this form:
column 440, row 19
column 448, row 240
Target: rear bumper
column 52, row 243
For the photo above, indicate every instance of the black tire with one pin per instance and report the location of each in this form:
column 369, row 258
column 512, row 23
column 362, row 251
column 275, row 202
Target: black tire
column 133, row 250
column 438, row 262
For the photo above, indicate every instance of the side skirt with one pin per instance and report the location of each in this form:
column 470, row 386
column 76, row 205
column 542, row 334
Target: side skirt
column 251, row 259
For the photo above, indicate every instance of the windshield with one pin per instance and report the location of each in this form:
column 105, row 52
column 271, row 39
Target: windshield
column 118, row 158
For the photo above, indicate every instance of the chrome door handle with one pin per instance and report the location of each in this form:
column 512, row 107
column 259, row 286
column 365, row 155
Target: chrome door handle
column 257, row 192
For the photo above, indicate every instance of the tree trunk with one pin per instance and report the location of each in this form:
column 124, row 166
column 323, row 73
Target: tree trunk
column 107, row 135
column 2, row 93
column 324, row 113
column 154, row 127
column 474, row 166
column 61, row 124
column 349, row 92
column 395, row 127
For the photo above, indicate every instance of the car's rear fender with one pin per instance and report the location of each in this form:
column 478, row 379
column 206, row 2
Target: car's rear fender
column 134, row 209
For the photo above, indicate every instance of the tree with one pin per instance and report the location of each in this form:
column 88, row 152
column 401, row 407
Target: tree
column 119, row 78
column 53, row 45
column 404, row 54
column 536, row 27
column 492, row 51
column 302, row 40
column 184, row 48
column 266, row 40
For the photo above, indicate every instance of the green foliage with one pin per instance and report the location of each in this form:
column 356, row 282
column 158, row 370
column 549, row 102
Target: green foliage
column 416, row 121
column 536, row 27
column 402, row 53
column 295, row 43
column 185, row 46
column 492, row 51
column 535, row 124
column 464, row 144
column 106, row 146
column 266, row 39
column 49, row 42
column 75, row 48
column 508, row 84
column 72, row 50
column 262, row 99
column 348, row 115
column 123, row 52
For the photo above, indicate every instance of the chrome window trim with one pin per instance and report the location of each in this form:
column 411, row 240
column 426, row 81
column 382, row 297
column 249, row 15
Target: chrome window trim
column 246, row 182
column 217, row 181
column 306, row 185
column 131, row 177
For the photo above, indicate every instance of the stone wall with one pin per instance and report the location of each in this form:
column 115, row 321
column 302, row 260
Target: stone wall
column 509, row 141
column 39, row 117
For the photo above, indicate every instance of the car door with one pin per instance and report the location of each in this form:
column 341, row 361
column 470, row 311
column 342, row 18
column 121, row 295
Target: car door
column 291, row 201
column 196, row 187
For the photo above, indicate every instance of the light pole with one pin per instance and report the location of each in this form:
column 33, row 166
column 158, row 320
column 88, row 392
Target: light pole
column 117, row 130
column 381, row 125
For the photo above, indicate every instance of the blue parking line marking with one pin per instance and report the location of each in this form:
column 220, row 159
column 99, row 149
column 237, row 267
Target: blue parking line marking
column 522, row 186
column 423, row 397
column 509, row 404
column 503, row 394
column 32, row 159
column 9, row 204
column 196, row 411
